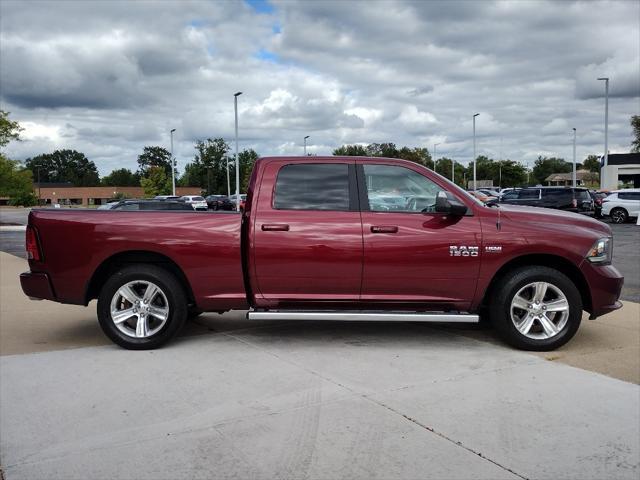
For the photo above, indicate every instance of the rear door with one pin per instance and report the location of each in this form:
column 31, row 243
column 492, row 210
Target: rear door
column 307, row 235
column 631, row 202
column 413, row 254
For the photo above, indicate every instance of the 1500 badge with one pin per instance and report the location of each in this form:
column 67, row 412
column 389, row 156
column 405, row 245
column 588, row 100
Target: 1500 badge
column 463, row 251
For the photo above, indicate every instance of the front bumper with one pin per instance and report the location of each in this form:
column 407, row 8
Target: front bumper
column 37, row 286
column 605, row 284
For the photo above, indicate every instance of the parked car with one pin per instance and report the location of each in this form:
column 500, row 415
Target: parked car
column 166, row 197
column 243, row 199
column 621, row 205
column 146, row 204
column 311, row 245
column 220, row 202
column 562, row 198
column 197, row 202
column 483, row 196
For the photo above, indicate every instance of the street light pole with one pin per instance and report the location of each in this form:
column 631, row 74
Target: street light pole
column 305, row 145
column 606, row 129
column 574, row 158
column 173, row 167
column 474, row 151
column 434, row 156
column 228, row 181
column 235, row 107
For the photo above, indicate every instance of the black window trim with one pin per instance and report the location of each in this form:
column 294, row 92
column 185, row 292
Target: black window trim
column 351, row 182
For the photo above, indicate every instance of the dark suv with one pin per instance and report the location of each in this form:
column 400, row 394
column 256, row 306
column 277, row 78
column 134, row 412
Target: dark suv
column 562, row 198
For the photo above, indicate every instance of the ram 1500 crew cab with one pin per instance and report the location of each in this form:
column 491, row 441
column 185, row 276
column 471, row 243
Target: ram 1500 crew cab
column 347, row 238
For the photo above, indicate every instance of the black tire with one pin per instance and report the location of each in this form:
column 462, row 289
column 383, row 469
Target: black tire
column 193, row 313
column 619, row 215
column 507, row 288
column 170, row 288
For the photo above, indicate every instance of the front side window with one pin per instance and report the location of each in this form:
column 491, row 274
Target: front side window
column 398, row 189
column 312, row 186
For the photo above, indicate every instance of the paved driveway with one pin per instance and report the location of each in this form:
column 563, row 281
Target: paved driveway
column 238, row 399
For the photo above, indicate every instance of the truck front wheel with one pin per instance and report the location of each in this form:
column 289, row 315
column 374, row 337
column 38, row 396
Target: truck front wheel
column 141, row 307
column 536, row 308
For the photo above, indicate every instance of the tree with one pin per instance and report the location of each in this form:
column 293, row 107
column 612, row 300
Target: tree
column 443, row 167
column 64, row 166
column 504, row 173
column 123, row 177
column 156, row 182
column 417, row 155
column 545, row 166
column 247, row 161
column 387, row 150
column 9, row 130
column 591, row 163
column 351, row 151
column 209, row 167
column 635, row 125
column 16, row 183
column 154, row 157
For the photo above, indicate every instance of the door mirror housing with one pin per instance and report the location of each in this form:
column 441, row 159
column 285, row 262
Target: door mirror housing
column 447, row 203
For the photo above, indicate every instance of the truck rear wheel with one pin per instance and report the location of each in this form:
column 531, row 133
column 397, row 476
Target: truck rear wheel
column 141, row 307
column 536, row 308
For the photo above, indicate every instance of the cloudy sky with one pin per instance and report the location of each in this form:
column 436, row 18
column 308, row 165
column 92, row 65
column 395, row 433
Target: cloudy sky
column 107, row 78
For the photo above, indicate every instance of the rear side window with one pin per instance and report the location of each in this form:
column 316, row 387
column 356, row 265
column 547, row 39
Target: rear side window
column 582, row 195
column 629, row 195
column 312, row 186
column 528, row 194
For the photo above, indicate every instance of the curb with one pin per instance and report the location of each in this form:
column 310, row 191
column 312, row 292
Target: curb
column 13, row 228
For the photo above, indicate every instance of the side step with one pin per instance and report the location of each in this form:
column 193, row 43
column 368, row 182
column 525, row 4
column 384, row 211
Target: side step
column 351, row 316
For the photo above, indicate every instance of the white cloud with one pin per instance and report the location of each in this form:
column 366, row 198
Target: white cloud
column 108, row 78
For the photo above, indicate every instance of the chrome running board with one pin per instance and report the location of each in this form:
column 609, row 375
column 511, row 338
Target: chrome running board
column 350, row 316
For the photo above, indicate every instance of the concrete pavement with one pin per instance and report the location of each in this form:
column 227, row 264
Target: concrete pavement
column 238, row 399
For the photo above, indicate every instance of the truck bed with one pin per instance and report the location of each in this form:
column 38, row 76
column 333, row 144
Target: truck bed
column 205, row 246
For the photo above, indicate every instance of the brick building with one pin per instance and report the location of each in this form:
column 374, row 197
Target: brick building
column 66, row 194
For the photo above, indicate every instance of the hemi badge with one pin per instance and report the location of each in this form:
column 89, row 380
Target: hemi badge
column 493, row 248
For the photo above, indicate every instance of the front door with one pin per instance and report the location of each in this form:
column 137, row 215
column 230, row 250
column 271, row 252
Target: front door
column 412, row 253
column 307, row 234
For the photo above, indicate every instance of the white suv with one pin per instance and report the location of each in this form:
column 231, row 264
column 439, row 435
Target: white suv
column 621, row 205
column 197, row 202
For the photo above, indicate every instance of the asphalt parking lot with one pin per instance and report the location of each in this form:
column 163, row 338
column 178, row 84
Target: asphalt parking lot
column 238, row 399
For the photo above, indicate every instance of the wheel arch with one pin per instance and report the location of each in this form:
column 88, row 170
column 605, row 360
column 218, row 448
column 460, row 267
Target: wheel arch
column 116, row 261
column 545, row 260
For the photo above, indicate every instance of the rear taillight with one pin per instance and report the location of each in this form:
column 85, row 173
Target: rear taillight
column 31, row 243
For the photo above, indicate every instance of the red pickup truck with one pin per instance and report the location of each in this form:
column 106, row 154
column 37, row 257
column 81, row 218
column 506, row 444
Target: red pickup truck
column 339, row 238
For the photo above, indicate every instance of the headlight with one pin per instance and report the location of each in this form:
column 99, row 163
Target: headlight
column 601, row 251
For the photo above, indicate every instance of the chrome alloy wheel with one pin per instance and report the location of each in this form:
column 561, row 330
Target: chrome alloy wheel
column 539, row 310
column 139, row 309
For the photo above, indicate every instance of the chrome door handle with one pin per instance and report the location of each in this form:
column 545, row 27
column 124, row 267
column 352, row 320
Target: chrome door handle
column 275, row 227
column 384, row 229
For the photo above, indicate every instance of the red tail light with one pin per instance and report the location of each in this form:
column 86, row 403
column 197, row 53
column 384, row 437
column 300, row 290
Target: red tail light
column 31, row 243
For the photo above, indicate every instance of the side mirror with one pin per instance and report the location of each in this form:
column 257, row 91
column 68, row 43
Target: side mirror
column 447, row 203
column 493, row 201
